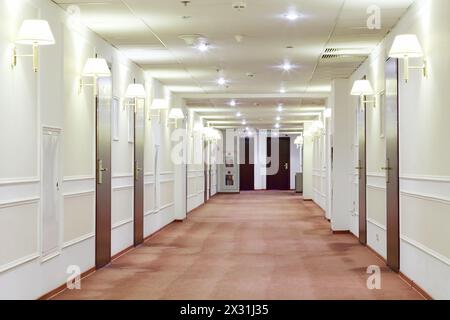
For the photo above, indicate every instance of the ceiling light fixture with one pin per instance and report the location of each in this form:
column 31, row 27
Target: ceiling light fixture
column 238, row 114
column 278, row 118
column 283, row 90
column 221, row 81
column 407, row 46
column 203, row 46
column 35, row 33
column 277, row 126
column 280, row 108
column 291, row 15
column 244, row 122
column 233, row 103
column 287, row 66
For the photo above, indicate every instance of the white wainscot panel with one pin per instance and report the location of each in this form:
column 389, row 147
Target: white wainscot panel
column 19, row 223
column 122, row 206
column 79, row 217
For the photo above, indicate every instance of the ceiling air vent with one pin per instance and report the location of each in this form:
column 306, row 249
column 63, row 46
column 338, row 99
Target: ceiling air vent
column 239, row 5
column 340, row 53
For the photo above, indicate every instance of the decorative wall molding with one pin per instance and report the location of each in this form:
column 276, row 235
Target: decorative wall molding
column 375, row 187
column 78, row 178
column 78, row 240
column 79, row 194
column 19, row 181
column 376, row 223
column 18, row 262
column 122, row 223
column 19, row 202
column 122, row 188
column 431, row 198
column 425, row 178
column 425, row 249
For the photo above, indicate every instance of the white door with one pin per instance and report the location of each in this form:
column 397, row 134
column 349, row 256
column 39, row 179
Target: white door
column 51, row 186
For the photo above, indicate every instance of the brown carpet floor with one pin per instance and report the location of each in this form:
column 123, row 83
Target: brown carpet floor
column 256, row 245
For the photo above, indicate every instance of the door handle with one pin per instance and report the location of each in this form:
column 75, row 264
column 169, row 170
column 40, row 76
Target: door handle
column 137, row 170
column 286, row 166
column 359, row 167
column 387, row 168
column 100, row 171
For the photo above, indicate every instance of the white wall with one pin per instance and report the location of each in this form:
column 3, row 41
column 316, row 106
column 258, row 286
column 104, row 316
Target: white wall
column 424, row 155
column 51, row 98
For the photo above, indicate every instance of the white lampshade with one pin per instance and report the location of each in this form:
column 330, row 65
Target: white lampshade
column 328, row 113
column 299, row 141
column 35, row 32
column 362, row 88
column 318, row 125
column 95, row 67
column 176, row 113
column 406, row 46
column 159, row 104
column 135, row 90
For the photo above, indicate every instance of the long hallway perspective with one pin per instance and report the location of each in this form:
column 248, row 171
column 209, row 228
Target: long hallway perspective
column 263, row 245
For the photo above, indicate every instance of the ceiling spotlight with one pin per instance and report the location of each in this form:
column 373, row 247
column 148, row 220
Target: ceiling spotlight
column 233, row 103
column 244, row 122
column 282, row 90
column 203, row 46
column 278, row 118
column 247, row 128
column 280, row 108
column 238, row 114
column 287, row 66
column 291, row 15
column 221, row 81
column 277, row 126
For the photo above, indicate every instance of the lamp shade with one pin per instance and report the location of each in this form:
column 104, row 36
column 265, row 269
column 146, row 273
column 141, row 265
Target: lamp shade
column 135, row 91
column 35, row 32
column 95, row 67
column 176, row 113
column 198, row 127
column 362, row 88
column 159, row 104
column 406, row 46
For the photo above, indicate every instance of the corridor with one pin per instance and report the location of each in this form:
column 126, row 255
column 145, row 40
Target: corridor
column 257, row 245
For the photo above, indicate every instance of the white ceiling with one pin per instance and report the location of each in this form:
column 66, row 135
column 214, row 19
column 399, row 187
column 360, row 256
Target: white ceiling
column 149, row 33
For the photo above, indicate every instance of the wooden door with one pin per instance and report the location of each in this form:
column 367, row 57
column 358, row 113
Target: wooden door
column 103, row 176
column 246, row 168
column 362, row 171
column 139, row 142
column 279, row 150
column 392, row 164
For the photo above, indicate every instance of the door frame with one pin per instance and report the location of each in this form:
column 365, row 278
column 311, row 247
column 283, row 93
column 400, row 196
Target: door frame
column 392, row 173
column 362, row 169
column 103, row 223
column 138, row 176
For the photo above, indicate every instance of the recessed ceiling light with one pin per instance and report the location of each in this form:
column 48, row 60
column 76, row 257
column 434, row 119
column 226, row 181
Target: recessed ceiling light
column 282, row 90
column 233, row 103
column 203, row 46
column 221, row 81
column 287, row 66
column 247, row 128
column 244, row 122
column 277, row 126
column 278, row 118
column 291, row 15
column 280, row 108
column 238, row 114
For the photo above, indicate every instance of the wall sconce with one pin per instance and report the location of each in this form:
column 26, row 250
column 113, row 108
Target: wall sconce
column 363, row 88
column 198, row 129
column 134, row 92
column 158, row 105
column 407, row 46
column 299, row 141
column 35, row 33
column 328, row 113
column 94, row 68
column 175, row 114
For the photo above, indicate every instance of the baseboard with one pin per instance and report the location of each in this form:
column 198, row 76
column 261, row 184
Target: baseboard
column 337, row 232
column 121, row 253
column 415, row 286
column 63, row 287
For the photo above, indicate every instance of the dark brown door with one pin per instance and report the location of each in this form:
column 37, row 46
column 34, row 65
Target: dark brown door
column 362, row 171
column 139, row 141
column 281, row 179
column 246, row 167
column 103, row 168
column 392, row 165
